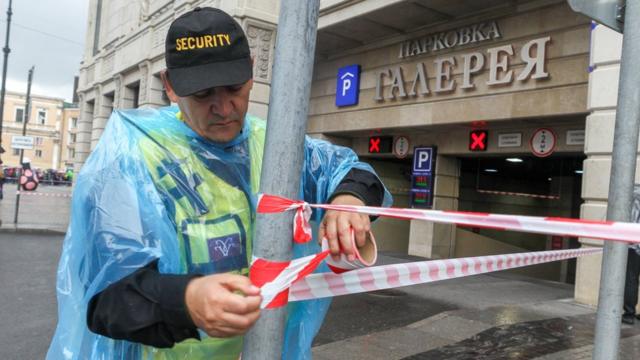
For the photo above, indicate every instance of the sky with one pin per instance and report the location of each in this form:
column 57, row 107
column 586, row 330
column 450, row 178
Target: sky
column 47, row 34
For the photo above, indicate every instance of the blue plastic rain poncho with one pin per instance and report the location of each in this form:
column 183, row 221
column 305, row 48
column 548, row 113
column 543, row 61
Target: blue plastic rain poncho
column 154, row 189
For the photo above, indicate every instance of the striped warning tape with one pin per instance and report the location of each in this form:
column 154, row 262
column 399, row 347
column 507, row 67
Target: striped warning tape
column 607, row 230
column 284, row 281
column 316, row 286
column 33, row 193
column 293, row 281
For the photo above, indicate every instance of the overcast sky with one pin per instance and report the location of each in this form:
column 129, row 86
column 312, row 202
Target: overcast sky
column 49, row 34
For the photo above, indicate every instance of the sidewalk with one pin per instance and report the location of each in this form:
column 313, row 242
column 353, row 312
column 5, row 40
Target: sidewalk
column 44, row 211
column 493, row 316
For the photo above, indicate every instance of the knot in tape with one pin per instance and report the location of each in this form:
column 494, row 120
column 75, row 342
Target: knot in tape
column 301, row 225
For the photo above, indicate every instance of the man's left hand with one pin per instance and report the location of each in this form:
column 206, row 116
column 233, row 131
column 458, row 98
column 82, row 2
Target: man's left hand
column 336, row 227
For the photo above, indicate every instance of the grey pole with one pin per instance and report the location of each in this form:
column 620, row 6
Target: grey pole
column 283, row 155
column 27, row 113
column 623, row 169
column 6, row 51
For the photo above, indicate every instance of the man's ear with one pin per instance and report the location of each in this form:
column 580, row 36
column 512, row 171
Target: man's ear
column 167, row 86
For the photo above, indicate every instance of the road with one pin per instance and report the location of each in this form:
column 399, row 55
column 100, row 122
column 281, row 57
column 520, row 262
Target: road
column 27, row 299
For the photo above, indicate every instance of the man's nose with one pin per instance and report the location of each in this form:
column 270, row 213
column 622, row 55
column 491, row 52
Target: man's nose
column 221, row 103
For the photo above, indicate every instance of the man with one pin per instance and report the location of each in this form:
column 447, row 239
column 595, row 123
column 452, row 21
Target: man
column 633, row 268
column 159, row 244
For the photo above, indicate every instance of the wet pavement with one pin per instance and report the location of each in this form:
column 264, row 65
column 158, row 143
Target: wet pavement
column 527, row 340
column 493, row 316
column 399, row 309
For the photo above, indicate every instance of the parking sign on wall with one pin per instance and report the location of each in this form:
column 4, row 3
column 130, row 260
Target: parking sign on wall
column 422, row 159
column 348, row 85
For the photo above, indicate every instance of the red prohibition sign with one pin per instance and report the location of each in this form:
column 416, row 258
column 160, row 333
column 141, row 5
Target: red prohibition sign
column 374, row 144
column 478, row 140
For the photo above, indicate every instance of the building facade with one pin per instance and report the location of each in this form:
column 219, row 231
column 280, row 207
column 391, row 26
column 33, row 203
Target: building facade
column 514, row 99
column 124, row 55
column 47, row 119
column 68, row 134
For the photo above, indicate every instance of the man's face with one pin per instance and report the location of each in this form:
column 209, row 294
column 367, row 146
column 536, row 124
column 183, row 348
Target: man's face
column 216, row 114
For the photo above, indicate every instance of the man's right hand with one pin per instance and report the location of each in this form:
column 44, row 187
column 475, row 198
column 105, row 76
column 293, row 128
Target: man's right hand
column 223, row 305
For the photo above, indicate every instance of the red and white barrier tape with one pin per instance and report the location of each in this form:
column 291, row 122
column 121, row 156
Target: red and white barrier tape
column 607, row 230
column 317, row 286
column 32, row 193
column 291, row 280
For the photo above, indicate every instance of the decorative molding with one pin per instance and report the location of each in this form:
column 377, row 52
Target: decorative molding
column 107, row 64
column 262, row 43
column 118, row 91
column 144, row 78
column 159, row 34
column 90, row 77
column 155, row 14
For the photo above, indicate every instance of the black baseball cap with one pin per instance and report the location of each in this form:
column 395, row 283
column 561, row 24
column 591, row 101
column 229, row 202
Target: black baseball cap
column 206, row 48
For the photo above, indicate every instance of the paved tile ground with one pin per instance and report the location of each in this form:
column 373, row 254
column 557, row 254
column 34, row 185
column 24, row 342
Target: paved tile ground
column 494, row 316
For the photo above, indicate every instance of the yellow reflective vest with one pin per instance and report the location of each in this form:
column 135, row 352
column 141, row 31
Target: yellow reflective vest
column 213, row 220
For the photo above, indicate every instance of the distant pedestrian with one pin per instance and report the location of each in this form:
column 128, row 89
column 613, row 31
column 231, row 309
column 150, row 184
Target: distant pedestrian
column 633, row 268
column 29, row 179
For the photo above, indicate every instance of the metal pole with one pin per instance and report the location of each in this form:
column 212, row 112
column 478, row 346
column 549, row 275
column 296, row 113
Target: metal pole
column 283, row 155
column 6, row 51
column 623, row 168
column 27, row 112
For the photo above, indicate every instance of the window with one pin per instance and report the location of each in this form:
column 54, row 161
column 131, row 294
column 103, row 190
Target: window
column 39, row 141
column 16, row 152
column 72, row 153
column 72, row 138
column 73, row 123
column 39, row 153
column 42, row 116
column 19, row 114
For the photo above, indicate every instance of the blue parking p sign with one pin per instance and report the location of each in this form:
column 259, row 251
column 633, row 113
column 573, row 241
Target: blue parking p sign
column 348, row 85
column 422, row 159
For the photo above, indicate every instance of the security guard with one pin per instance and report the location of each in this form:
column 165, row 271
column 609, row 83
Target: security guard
column 155, row 261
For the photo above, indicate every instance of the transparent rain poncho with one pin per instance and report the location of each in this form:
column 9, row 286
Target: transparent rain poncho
column 150, row 186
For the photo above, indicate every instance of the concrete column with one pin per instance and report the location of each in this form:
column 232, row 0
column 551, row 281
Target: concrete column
column 102, row 110
column 606, row 47
column 437, row 241
column 83, row 133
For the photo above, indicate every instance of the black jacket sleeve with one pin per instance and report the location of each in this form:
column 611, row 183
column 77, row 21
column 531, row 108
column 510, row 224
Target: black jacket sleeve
column 145, row 307
column 362, row 184
column 148, row 307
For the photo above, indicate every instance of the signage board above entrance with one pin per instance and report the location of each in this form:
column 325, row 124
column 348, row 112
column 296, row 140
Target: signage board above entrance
column 532, row 54
column 450, row 39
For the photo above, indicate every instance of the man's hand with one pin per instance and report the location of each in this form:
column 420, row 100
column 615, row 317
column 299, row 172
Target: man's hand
column 217, row 308
column 336, row 227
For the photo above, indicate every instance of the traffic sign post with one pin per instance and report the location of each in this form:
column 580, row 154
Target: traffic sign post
column 607, row 12
column 22, row 142
column 623, row 17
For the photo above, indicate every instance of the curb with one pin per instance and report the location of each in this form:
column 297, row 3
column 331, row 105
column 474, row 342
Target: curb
column 39, row 231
